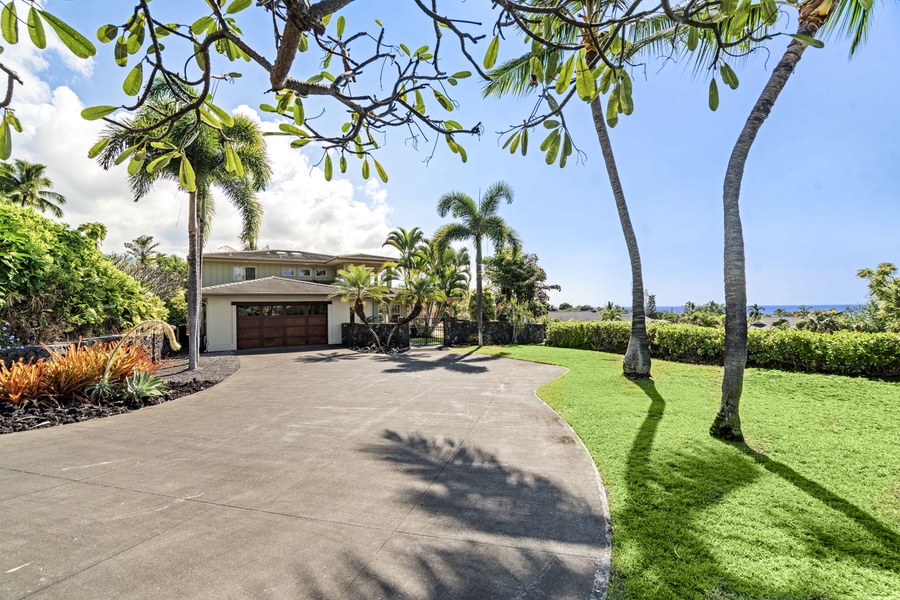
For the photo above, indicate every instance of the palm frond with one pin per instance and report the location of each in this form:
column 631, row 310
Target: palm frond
column 851, row 19
column 452, row 232
column 490, row 200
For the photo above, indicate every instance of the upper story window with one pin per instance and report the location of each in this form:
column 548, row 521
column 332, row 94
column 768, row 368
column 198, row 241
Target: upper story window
column 321, row 273
column 244, row 273
column 288, row 271
column 304, row 272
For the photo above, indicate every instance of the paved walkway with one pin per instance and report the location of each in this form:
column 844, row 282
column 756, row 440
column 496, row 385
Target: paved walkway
column 318, row 474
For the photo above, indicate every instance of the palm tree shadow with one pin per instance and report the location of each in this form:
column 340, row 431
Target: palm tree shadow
column 669, row 496
column 416, row 363
column 479, row 529
column 887, row 537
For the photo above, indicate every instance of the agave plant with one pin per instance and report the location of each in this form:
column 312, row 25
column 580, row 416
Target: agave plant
column 142, row 385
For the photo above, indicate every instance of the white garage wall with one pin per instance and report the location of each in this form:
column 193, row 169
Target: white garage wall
column 221, row 318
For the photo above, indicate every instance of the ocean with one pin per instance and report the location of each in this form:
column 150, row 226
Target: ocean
column 770, row 308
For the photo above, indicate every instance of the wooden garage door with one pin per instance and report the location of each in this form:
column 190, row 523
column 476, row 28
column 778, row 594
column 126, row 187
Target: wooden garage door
column 270, row 325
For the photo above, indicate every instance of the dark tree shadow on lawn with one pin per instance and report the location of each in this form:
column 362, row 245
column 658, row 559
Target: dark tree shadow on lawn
column 887, row 546
column 477, row 532
column 654, row 528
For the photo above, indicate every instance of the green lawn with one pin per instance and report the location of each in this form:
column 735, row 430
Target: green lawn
column 809, row 509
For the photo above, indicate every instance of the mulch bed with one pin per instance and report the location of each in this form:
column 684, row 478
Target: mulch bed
column 180, row 382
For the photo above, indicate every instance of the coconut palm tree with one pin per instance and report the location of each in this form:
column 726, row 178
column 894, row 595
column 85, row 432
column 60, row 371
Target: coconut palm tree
column 477, row 222
column 846, row 17
column 141, row 249
column 232, row 158
column 515, row 77
column 26, row 184
column 357, row 284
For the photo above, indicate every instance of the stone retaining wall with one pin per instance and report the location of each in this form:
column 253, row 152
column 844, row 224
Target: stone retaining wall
column 357, row 335
column 158, row 344
column 457, row 332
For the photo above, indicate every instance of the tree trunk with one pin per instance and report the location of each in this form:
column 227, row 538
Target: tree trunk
column 193, row 284
column 727, row 424
column 359, row 308
column 636, row 364
column 478, row 296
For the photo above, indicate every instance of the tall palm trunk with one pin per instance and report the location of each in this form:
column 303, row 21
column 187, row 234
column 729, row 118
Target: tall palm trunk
column 636, row 364
column 193, row 284
column 478, row 296
column 727, row 424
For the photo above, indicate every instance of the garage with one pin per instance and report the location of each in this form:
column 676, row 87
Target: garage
column 274, row 324
column 272, row 312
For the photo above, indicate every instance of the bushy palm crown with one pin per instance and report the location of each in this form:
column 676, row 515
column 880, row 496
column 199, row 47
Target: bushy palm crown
column 25, row 184
column 418, row 289
column 408, row 243
column 206, row 152
column 476, row 220
column 357, row 284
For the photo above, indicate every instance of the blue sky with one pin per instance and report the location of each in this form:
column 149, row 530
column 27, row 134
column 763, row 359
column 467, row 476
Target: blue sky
column 819, row 202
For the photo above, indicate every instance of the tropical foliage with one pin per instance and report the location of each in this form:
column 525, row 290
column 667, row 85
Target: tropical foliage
column 55, row 283
column 516, row 276
column 26, row 184
column 165, row 275
column 67, row 376
column 884, row 294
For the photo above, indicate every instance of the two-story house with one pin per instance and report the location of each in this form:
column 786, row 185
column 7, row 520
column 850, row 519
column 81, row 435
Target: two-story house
column 271, row 298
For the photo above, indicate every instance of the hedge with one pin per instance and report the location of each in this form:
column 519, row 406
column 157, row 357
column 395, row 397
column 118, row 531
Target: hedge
column 840, row 353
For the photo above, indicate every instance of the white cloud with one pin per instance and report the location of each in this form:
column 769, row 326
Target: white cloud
column 303, row 211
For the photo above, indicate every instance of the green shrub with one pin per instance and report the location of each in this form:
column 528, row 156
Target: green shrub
column 603, row 336
column 687, row 343
column 840, row 353
column 55, row 282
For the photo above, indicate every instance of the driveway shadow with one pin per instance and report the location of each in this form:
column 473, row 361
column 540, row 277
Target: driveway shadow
column 477, row 532
column 323, row 356
column 418, row 362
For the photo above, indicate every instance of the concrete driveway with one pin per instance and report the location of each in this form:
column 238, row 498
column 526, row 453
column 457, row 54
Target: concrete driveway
column 317, row 474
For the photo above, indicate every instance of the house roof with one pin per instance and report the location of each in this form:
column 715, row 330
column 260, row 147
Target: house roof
column 360, row 257
column 293, row 256
column 270, row 286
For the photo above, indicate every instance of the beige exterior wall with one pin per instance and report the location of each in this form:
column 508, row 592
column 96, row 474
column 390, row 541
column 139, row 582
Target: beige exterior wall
column 221, row 318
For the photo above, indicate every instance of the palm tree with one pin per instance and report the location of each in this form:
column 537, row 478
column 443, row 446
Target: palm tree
column 211, row 152
column 515, row 77
column 357, row 284
column 848, row 17
column 756, row 312
column 141, row 249
column 478, row 221
column 408, row 243
column 611, row 313
column 25, row 184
